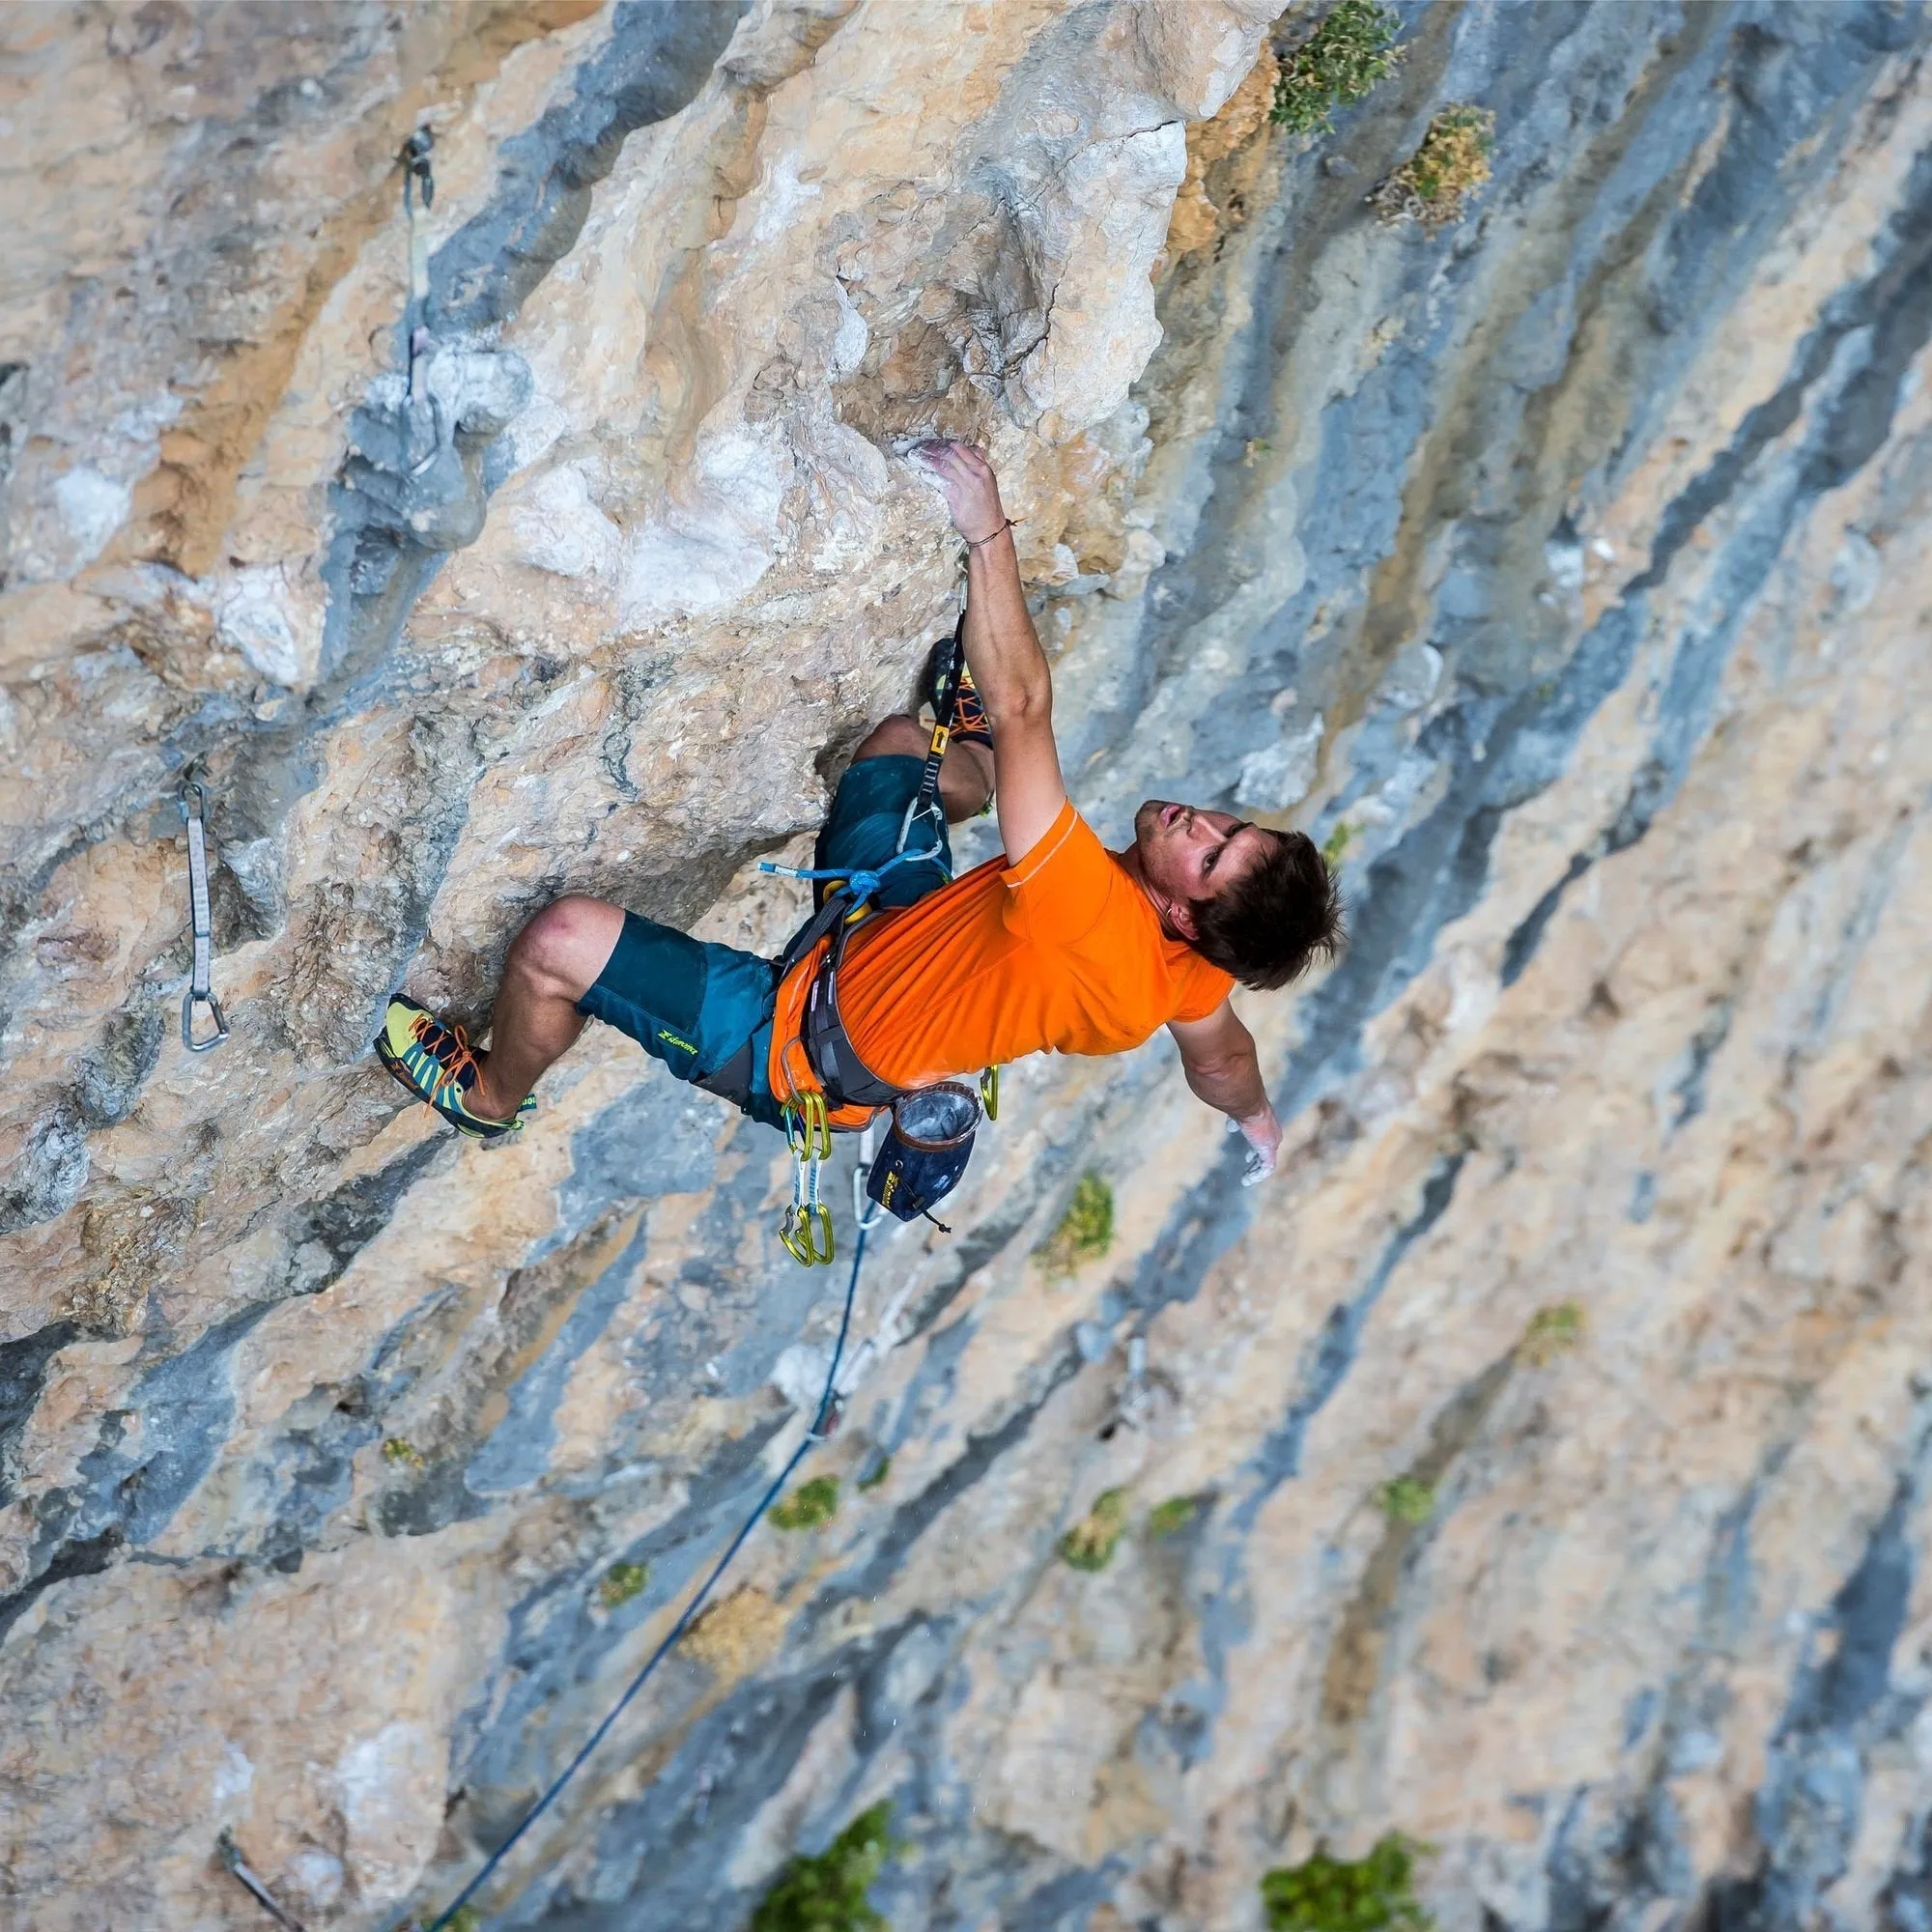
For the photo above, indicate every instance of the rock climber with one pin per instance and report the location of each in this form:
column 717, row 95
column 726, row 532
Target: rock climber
column 1059, row 946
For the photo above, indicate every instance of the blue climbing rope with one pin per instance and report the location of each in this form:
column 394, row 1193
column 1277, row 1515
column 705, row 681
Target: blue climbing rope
column 826, row 1402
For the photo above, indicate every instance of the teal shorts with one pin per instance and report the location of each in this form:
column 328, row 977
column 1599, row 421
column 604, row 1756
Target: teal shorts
column 705, row 1009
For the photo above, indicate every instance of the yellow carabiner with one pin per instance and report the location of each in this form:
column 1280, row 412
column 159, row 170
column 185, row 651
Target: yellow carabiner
column 799, row 1250
column 824, row 1214
column 817, row 1127
column 989, row 1092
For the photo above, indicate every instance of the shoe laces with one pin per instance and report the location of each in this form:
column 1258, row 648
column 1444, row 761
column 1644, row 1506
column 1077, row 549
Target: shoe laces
column 452, row 1055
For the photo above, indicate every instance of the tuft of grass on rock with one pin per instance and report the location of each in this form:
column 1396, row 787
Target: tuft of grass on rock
column 401, row 1453
column 1552, row 1332
column 810, row 1506
column 827, row 1893
column 1171, row 1517
column 1086, row 1231
column 1090, row 1542
column 621, row 1582
column 1433, row 185
column 1335, row 845
column 874, row 1477
column 1408, row 1500
column 1337, row 66
column 1375, row 1893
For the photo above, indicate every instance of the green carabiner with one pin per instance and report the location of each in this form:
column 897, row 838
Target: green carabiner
column 989, row 1092
column 824, row 1214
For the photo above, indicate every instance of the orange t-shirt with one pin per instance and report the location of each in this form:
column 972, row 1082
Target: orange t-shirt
column 1063, row 953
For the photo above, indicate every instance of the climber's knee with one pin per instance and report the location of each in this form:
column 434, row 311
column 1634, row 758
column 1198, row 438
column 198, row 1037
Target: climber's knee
column 564, row 948
column 899, row 737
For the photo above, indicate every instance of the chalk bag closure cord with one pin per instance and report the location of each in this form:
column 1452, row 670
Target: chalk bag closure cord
column 200, row 981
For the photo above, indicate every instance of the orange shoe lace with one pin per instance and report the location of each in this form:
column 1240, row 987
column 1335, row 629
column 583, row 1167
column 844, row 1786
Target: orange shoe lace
column 461, row 1058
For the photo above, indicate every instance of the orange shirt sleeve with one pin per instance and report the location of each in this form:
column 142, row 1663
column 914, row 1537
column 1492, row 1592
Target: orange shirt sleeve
column 1057, row 894
column 1205, row 988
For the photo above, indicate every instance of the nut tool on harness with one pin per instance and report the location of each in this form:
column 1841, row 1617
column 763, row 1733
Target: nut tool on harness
column 200, row 987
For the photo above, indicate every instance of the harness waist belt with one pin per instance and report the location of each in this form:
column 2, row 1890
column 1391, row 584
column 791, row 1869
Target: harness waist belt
column 847, row 1080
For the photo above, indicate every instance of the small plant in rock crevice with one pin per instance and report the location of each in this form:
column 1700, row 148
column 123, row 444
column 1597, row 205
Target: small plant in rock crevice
column 1086, row 1231
column 810, row 1506
column 1552, row 1332
column 1337, row 66
column 1433, row 185
column 1336, row 843
column 621, row 1582
column 1374, row 1893
column 1090, row 1542
column 1408, row 1500
column 827, row 1893
column 1171, row 1517
column 401, row 1453
column 874, row 1478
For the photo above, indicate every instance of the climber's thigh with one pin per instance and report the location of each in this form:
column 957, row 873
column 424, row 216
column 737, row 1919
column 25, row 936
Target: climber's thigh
column 691, row 1004
column 862, row 829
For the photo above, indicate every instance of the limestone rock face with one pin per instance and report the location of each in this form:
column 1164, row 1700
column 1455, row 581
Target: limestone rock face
column 1566, row 571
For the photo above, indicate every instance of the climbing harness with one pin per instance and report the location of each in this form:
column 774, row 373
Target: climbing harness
column 231, row 1858
column 200, row 981
column 931, row 1137
column 824, row 1420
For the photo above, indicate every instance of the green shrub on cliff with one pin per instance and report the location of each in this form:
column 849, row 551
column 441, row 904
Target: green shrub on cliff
column 1376, row 1894
column 1433, row 185
column 1405, row 1500
column 827, row 1893
column 621, row 1582
column 1352, row 49
column 1086, row 1231
column 1090, row 1542
column 810, row 1506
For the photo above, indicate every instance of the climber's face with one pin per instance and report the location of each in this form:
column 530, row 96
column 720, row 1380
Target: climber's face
column 1187, row 854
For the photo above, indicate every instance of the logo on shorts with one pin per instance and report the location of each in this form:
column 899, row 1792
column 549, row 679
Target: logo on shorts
column 666, row 1034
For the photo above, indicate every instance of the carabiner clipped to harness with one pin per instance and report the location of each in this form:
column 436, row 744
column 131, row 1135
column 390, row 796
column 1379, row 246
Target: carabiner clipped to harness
column 806, row 1232
column 199, row 986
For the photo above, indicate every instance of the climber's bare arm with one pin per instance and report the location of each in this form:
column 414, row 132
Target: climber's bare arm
column 1002, row 652
column 1217, row 1054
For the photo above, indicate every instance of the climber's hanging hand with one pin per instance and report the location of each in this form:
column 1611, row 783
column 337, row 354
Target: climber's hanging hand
column 966, row 480
column 1262, row 1133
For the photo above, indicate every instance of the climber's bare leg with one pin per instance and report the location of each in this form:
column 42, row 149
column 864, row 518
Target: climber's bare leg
column 965, row 778
column 551, row 964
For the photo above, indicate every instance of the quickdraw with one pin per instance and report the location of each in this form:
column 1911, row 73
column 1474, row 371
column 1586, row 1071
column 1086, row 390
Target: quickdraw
column 417, row 175
column 199, row 988
column 806, row 1231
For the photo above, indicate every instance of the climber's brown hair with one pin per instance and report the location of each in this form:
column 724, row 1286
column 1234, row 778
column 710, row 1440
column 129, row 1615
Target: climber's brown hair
column 1282, row 913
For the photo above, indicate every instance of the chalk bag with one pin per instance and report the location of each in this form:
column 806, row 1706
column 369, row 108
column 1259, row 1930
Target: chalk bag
column 927, row 1150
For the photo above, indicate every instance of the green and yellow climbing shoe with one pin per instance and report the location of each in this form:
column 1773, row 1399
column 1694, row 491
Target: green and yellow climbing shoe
column 436, row 1063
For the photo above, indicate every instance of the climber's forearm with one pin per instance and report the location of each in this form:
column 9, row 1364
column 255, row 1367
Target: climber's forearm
column 1002, row 647
column 1233, row 1087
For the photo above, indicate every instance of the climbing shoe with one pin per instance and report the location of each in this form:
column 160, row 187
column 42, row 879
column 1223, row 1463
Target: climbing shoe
column 969, row 723
column 433, row 1060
